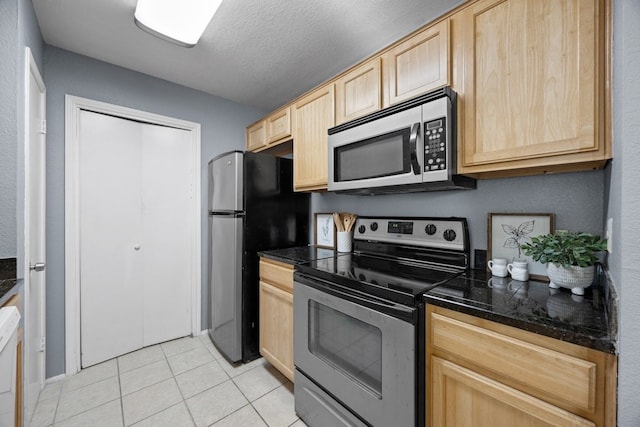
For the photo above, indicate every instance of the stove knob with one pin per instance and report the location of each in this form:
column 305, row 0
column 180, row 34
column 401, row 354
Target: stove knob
column 374, row 226
column 449, row 235
column 430, row 229
column 362, row 229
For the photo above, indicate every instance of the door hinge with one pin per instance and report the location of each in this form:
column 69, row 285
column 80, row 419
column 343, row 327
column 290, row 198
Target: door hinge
column 43, row 127
column 43, row 342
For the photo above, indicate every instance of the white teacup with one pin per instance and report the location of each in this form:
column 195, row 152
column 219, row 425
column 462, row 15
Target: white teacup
column 498, row 267
column 519, row 270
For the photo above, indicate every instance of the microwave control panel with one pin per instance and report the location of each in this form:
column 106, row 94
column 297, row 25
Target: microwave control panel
column 435, row 145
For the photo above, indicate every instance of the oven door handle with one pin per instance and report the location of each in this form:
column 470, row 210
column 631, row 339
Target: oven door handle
column 413, row 148
column 396, row 310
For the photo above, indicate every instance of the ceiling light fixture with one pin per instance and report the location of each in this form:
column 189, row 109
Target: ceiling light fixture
column 179, row 21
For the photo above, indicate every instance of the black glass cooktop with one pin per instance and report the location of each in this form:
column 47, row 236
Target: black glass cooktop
column 399, row 281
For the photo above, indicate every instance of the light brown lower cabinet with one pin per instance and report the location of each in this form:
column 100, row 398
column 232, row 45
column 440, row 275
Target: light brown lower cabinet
column 481, row 373
column 276, row 315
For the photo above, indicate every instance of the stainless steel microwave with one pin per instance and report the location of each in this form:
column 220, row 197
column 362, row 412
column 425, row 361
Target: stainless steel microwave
column 404, row 148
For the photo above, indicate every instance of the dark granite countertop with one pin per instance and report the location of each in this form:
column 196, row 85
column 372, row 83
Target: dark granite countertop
column 8, row 279
column 8, row 268
column 532, row 306
column 8, row 287
column 298, row 254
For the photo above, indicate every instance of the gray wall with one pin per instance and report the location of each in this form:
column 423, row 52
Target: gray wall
column 222, row 121
column 623, row 203
column 28, row 35
column 8, row 126
column 575, row 198
column 18, row 29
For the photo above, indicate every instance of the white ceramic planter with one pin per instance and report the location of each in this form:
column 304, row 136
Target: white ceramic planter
column 574, row 278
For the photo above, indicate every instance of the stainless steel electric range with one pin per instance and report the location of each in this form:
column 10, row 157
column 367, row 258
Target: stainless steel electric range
column 359, row 321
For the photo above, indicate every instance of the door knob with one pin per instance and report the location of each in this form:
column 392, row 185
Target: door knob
column 38, row 266
column 136, row 247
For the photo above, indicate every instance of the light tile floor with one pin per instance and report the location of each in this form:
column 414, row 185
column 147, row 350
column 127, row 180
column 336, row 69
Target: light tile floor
column 185, row 382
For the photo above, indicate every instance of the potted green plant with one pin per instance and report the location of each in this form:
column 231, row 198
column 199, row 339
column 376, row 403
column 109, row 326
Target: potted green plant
column 570, row 258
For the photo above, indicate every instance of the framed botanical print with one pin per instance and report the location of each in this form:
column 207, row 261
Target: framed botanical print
column 324, row 230
column 507, row 232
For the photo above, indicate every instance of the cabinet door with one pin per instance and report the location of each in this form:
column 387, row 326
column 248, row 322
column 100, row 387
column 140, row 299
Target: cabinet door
column 358, row 92
column 417, row 65
column 279, row 125
column 529, row 75
column 464, row 398
column 256, row 136
column 276, row 328
column 313, row 115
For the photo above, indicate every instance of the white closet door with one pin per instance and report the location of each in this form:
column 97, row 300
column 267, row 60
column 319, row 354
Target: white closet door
column 166, row 232
column 135, row 235
column 111, row 291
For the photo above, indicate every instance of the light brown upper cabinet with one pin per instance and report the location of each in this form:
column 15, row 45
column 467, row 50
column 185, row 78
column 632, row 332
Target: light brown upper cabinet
column 313, row 115
column 279, row 125
column 358, row 92
column 271, row 130
column 256, row 136
column 530, row 76
column 417, row 65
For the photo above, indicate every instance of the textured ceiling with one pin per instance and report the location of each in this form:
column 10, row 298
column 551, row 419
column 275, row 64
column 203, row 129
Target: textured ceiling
column 256, row 52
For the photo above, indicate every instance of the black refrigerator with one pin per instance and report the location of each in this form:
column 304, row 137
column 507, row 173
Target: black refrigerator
column 252, row 208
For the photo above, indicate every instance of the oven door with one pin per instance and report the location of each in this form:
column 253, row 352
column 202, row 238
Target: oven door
column 383, row 152
column 358, row 349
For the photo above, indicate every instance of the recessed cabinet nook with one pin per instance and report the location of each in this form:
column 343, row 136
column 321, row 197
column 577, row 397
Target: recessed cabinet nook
column 532, row 83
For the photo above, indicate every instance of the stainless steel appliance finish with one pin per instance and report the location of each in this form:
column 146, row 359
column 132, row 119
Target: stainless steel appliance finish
column 252, row 207
column 359, row 321
column 226, row 183
column 406, row 147
column 353, row 350
column 225, row 276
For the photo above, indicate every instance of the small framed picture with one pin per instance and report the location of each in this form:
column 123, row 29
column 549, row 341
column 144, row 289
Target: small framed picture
column 507, row 232
column 324, row 230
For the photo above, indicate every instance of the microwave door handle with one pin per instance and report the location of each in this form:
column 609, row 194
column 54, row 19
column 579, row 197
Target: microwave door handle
column 413, row 148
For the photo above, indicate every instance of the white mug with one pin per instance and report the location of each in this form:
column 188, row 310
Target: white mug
column 518, row 270
column 498, row 267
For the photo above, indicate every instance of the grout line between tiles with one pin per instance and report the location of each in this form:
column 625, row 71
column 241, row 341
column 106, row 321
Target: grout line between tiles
column 55, row 412
column 228, row 415
column 83, row 412
column 184, row 400
column 120, row 390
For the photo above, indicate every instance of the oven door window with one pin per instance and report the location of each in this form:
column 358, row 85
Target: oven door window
column 384, row 155
column 349, row 345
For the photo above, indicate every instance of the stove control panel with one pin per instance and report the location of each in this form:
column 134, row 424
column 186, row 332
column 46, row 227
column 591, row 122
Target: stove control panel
column 440, row 233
